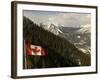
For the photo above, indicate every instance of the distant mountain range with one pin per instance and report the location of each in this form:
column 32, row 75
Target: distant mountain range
column 79, row 36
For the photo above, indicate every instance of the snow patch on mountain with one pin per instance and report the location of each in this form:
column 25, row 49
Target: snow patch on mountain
column 85, row 28
column 54, row 28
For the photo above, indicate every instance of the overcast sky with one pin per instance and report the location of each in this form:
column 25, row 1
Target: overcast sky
column 66, row 19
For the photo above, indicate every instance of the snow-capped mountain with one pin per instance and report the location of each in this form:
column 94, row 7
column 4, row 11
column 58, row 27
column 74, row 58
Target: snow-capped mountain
column 54, row 28
column 79, row 36
column 84, row 29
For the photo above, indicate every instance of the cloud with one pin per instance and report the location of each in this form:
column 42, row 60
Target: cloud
column 66, row 19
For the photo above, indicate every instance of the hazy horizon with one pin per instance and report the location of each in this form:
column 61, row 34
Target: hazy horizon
column 66, row 19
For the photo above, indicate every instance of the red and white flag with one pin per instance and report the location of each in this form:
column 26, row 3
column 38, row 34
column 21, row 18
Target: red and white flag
column 34, row 50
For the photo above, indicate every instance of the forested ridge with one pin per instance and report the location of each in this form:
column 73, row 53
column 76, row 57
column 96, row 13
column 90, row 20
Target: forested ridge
column 60, row 52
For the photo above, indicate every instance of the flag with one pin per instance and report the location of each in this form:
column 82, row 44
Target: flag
column 34, row 50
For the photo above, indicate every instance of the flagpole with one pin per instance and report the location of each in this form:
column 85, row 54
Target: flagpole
column 25, row 56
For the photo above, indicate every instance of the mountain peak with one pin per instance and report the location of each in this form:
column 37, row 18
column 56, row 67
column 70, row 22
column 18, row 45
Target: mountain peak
column 85, row 28
column 54, row 28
